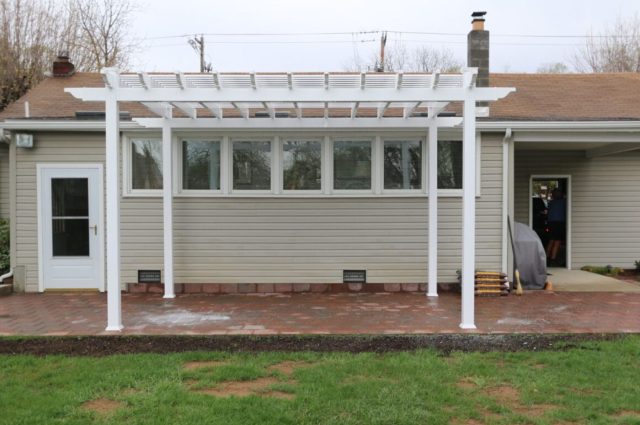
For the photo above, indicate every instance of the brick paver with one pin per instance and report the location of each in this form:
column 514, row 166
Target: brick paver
column 309, row 313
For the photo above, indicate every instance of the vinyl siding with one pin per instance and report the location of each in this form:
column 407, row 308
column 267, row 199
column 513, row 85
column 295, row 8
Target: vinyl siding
column 275, row 240
column 605, row 201
column 4, row 181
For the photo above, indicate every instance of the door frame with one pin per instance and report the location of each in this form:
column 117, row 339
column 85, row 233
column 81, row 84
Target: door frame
column 533, row 177
column 40, row 167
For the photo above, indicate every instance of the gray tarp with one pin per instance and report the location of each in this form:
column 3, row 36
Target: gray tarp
column 532, row 260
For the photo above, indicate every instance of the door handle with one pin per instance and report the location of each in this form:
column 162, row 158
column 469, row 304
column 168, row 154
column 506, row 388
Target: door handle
column 95, row 229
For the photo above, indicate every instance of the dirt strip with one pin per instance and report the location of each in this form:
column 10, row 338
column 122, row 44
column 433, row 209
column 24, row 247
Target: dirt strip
column 442, row 343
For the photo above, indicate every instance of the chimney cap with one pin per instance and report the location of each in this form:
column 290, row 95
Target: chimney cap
column 478, row 14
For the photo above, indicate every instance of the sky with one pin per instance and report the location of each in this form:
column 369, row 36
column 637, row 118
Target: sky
column 156, row 22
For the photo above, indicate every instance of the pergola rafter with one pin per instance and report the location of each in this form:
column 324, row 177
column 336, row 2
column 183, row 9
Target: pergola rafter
column 312, row 98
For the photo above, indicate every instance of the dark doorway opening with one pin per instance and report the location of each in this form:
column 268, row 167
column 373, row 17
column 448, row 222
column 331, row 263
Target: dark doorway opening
column 549, row 216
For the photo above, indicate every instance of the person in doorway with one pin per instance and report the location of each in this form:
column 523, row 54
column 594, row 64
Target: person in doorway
column 557, row 221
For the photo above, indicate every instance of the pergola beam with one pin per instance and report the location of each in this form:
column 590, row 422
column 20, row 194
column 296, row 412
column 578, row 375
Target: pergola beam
column 313, row 95
column 301, row 124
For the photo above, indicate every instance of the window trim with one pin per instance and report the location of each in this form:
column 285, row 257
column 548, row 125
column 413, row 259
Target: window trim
column 127, row 172
column 178, row 166
column 226, row 140
column 374, row 162
column 273, row 143
column 280, row 168
column 423, row 160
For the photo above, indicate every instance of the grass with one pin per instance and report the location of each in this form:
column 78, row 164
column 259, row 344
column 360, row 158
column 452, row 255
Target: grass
column 595, row 383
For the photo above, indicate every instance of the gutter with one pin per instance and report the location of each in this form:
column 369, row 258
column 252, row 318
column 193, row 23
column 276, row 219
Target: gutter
column 499, row 126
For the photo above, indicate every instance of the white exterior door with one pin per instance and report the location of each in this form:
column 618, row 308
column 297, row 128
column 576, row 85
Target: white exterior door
column 71, row 227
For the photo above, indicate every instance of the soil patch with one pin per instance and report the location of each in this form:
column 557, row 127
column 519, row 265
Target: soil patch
column 279, row 394
column 505, row 394
column 288, row 367
column 241, row 388
column 102, row 406
column 203, row 364
column 443, row 343
column 509, row 397
column 466, row 384
column 627, row 413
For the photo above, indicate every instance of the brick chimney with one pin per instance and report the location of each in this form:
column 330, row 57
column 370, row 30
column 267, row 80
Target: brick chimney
column 62, row 67
column 478, row 54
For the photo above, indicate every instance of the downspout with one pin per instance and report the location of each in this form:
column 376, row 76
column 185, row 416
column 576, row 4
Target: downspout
column 6, row 138
column 506, row 148
column 6, row 275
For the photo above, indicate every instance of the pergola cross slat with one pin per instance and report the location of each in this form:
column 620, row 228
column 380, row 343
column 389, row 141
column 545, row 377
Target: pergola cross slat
column 312, row 98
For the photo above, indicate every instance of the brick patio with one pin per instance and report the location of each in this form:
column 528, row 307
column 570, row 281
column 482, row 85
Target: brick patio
column 308, row 313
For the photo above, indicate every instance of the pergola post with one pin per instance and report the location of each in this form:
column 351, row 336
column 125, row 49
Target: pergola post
column 112, row 155
column 432, row 290
column 167, row 204
column 468, row 213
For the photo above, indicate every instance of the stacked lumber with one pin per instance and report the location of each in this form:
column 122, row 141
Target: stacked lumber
column 491, row 284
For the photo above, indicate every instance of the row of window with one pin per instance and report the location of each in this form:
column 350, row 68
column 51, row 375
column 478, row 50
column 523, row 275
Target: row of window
column 299, row 166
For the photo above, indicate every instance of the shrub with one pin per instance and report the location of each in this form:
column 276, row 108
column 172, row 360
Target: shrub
column 603, row 270
column 637, row 263
column 4, row 246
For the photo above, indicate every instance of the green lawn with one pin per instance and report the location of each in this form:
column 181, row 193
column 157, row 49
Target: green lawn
column 596, row 383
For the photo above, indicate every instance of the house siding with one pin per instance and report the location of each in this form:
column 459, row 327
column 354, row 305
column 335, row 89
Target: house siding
column 605, row 200
column 275, row 240
column 4, row 181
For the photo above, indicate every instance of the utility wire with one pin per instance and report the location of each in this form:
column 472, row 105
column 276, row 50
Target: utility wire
column 449, row 34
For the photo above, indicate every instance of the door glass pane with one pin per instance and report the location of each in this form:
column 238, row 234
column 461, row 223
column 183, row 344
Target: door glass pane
column 403, row 165
column 70, row 237
column 70, row 216
column 449, row 164
column 69, row 197
column 251, row 165
column 146, row 164
column 200, row 165
column 301, row 165
column 352, row 165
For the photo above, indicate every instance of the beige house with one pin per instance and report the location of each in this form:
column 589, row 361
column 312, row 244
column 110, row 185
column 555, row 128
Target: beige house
column 312, row 191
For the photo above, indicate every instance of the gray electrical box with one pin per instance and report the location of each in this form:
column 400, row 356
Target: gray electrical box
column 24, row 140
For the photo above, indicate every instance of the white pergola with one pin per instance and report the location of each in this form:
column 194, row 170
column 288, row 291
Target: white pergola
column 261, row 101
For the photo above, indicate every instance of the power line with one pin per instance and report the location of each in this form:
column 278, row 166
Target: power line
column 264, row 34
column 273, row 42
column 448, row 34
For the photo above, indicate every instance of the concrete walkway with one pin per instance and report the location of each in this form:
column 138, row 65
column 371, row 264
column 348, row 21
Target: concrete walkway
column 309, row 313
column 580, row 281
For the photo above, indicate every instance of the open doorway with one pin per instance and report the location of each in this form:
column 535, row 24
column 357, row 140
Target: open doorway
column 549, row 216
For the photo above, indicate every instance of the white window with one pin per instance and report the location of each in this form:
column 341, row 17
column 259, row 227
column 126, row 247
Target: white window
column 301, row 165
column 200, row 165
column 146, row 164
column 251, row 165
column 402, row 164
column 352, row 165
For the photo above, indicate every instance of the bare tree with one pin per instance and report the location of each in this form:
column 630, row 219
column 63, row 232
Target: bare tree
column 33, row 32
column 101, row 37
column 617, row 49
column 399, row 58
column 430, row 60
column 553, row 68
